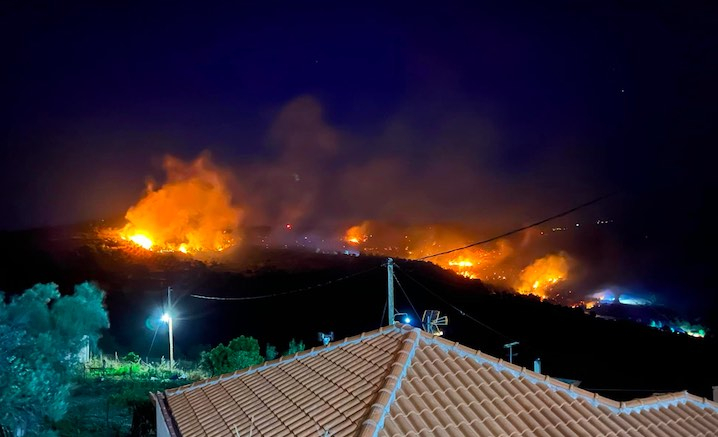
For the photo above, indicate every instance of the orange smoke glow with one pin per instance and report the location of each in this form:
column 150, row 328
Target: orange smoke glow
column 543, row 274
column 415, row 242
column 357, row 234
column 142, row 240
column 462, row 266
column 191, row 212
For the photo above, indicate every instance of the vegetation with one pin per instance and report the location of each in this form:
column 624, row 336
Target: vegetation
column 294, row 347
column 132, row 357
column 41, row 336
column 270, row 352
column 111, row 397
column 239, row 353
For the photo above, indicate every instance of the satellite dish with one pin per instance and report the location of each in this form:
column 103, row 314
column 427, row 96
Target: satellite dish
column 432, row 320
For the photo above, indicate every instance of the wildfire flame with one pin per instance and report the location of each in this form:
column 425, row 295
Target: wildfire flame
column 543, row 274
column 192, row 212
column 491, row 263
column 142, row 240
column 357, row 234
column 415, row 242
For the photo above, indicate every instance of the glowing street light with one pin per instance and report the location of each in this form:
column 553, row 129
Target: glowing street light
column 406, row 317
column 167, row 318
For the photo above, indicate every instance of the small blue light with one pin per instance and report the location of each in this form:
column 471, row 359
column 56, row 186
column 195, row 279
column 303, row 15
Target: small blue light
column 407, row 320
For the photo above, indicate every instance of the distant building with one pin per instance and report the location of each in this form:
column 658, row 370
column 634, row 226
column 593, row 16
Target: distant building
column 400, row 381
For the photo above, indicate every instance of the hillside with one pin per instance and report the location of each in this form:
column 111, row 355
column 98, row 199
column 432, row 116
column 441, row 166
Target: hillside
column 602, row 354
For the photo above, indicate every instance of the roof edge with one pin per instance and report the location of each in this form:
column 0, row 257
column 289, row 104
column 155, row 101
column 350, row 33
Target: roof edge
column 160, row 400
column 666, row 400
column 374, row 420
column 281, row 360
column 656, row 401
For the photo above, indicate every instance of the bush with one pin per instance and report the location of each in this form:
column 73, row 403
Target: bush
column 240, row 353
column 294, row 347
column 132, row 358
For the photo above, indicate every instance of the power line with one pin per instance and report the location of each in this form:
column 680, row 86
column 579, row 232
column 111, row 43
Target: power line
column 515, row 231
column 381, row 321
column 454, row 307
column 283, row 293
column 407, row 297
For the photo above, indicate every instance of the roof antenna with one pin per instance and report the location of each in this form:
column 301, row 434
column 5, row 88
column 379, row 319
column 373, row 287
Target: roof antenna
column 431, row 320
column 326, row 338
column 510, row 347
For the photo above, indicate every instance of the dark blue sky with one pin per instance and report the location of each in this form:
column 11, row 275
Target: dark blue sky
column 564, row 100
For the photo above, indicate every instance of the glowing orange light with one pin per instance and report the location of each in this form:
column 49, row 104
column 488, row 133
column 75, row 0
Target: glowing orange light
column 192, row 212
column 461, row 263
column 357, row 234
column 543, row 274
column 142, row 240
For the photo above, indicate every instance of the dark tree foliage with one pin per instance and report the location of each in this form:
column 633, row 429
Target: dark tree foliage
column 41, row 336
column 270, row 352
column 294, row 347
column 132, row 357
column 239, row 353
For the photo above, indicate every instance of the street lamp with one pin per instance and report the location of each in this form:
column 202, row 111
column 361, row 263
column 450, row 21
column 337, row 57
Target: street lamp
column 406, row 317
column 168, row 319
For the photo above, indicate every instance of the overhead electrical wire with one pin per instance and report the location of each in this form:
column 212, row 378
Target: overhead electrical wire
column 407, row 297
column 381, row 321
column 283, row 293
column 454, row 307
column 298, row 290
column 523, row 228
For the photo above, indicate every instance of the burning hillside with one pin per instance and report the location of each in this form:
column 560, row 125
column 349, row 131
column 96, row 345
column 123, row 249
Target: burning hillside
column 542, row 275
column 192, row 212
column 495, row 262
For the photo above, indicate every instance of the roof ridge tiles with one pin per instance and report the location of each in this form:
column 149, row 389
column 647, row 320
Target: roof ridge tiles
column 397, row 349
column 665, row 400
column 374, row 420
column 284, row 359
column 572, row 390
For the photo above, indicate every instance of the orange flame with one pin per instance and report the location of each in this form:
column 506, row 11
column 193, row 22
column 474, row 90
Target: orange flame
column 357, row 234
column 192, row 212
column 415, row 242
column 543, row 274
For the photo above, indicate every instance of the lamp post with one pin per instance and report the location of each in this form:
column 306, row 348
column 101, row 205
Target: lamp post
column 167, row 318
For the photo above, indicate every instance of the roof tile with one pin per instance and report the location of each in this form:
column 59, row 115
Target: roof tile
column 400, row 381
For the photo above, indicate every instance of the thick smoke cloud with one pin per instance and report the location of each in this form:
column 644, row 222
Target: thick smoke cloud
column 453, row 169
column 419, row 185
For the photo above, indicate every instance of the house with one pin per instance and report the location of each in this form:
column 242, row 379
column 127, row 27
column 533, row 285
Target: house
column 401, row 381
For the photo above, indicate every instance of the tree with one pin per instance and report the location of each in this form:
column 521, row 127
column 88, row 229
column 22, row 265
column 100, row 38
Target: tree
column 270, row 352
column 132, row 358
column 239, row 353
column 294, row 347
column 41, row 335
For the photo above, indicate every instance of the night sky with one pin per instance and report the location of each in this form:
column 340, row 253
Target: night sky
column 495, row 115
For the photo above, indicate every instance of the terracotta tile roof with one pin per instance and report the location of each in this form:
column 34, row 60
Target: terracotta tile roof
column 400, row 381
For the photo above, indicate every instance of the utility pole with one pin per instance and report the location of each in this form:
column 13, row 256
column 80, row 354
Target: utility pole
column 390, row 289
column 169, row 324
